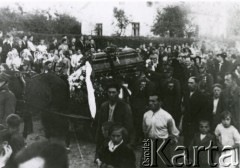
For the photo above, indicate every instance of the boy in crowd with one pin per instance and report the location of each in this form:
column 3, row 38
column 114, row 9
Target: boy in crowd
column 202, row 139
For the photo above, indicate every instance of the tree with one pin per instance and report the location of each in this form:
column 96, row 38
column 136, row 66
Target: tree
column 121, row 21
column 38, row 22
column 170, row 22
column 233, row 21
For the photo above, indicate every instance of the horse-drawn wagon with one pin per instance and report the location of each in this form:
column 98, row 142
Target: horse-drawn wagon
column 49, row 94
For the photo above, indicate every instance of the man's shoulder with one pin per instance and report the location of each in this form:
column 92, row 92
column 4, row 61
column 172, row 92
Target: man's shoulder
column 165, row 113
column 147, row 113
column 122, row 103
column 104, row 104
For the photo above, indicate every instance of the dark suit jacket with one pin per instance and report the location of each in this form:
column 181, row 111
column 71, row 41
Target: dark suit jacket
column 122, row 114
column 194, row 109
column 232, row 104
column 226, row 67
column 194, row 106
column 172, row 99
column 214, row 119
column 203, row 156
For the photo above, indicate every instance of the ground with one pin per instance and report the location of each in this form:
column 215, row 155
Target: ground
column 82, row 150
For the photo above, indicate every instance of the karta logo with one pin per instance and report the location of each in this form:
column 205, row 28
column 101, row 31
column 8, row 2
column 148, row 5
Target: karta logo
column 156, row 153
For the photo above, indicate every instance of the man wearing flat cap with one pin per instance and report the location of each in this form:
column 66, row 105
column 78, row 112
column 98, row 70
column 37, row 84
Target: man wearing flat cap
column 7, row 98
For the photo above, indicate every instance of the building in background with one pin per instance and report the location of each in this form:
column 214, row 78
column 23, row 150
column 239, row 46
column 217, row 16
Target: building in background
column 97, row 16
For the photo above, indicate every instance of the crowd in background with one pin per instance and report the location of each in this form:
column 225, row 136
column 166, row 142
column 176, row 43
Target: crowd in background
column 194, row 88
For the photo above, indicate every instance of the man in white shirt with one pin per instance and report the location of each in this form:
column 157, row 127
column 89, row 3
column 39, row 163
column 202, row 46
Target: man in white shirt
column 159, row 125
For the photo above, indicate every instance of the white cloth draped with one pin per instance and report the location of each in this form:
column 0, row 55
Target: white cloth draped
column 90, row 90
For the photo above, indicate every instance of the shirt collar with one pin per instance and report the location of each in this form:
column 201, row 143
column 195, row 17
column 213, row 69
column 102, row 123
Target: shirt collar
column 113, row 147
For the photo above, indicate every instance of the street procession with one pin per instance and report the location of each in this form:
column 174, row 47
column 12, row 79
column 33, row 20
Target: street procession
column 138, row 84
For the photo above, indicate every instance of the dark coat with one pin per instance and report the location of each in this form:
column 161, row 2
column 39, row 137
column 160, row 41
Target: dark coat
column 226, row 67
column 232, row 103
column 122, row 114
column 214, row 119
column 172, row 99
column 192, row 71
column 179, row 73
column 193, row 110
column 122, row 157
column 203, row 156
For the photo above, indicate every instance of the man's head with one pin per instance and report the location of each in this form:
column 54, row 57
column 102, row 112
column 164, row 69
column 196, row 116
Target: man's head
column 113, row 91
column 188, row 61
column 192, row 83
column 221, row 57
column 49, row 65
column 154, row 102
column 204, row 126
column 217, row 90
column 153, row 58
column 229, row 80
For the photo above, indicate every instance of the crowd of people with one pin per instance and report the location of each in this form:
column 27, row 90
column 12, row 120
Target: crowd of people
column 186, row 90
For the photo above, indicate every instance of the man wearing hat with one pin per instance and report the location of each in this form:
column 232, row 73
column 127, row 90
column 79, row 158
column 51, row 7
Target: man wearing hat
column 7, row 98
column 222, row 67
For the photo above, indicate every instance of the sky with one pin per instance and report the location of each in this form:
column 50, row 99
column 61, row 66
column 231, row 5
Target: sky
column 211, row 16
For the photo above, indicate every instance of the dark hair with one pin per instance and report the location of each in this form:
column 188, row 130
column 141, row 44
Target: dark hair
column 63, row 40
column 155, row 94
column 217, row 85
column 30, row 36
column 204, row 121
column 13, row 121
column 225, row 114
column 114, row 85
column 119, row 127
